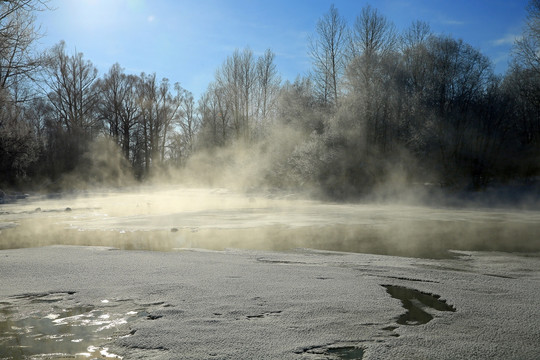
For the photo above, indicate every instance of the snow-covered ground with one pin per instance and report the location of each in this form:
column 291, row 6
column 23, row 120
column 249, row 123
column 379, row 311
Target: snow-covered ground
column 221, row 290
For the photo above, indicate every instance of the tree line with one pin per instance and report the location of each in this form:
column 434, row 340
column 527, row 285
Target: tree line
column 376, row 103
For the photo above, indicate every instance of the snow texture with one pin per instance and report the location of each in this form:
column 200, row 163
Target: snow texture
column 250, row 304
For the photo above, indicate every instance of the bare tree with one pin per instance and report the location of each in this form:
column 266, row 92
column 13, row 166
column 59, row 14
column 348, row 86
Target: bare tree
column 69, row 83
column 70, row 86
column 18, row 63
column 248, row 76
column 228, row 80
column 415, row 54
column 372, row 34
column 327, row 50
column 268, row 84
column 214, row 115
column 527, row 48
column 411, row 82
column 370, row 73
column 188, row 121
column 524, row 80
column 209, row 113
column 159, row 108
column 372, row 38
column 168, row 111
column 118, row 106
column 146, row 94
column 18, row 146
column 17, row 35
column 417, row 33
column 298, row 106
column 458, row 76
column 237, row 81
column 219, row 97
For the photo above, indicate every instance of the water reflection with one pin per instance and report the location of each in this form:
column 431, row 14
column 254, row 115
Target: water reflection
column 426, row 239
column 60, row 333
column 350, row 353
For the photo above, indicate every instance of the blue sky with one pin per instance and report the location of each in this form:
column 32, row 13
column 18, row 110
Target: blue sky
column 186, row 41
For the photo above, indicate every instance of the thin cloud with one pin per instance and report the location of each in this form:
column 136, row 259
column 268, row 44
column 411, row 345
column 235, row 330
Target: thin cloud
column 509, row 39
column 151, row 18
column 452, row 22
column 501, row 58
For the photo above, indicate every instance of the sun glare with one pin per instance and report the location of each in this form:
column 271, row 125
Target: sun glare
column 106, row 15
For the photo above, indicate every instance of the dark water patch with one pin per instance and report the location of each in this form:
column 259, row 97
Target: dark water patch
column 264, row 315
column 347, row 352
column 31, row 329
column 45, row 297
column 335, row 351
column 11, row 197
column 389, row 331
column 416, row 303
column 156, row 303
column 167, row 311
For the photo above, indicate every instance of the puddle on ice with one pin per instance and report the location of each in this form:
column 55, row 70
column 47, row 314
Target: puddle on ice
column 337, row 351
column 349, row 353
column 55, row 332
column 417, row 304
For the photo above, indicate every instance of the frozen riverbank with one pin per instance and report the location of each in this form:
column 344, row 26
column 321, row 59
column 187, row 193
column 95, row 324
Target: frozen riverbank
column 297, row 305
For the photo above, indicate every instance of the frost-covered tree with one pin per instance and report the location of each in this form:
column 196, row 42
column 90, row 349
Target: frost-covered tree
column 268, row 82
column 242, row 96
column 327, row 49
column 18, row 33
column 18, row 64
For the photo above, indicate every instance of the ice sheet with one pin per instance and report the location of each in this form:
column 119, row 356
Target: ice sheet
column 297, row 305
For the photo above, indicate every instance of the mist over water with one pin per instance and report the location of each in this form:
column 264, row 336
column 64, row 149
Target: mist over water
column 172, row 218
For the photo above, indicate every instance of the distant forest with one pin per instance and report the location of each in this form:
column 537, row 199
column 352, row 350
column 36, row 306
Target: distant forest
column 378, row 104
